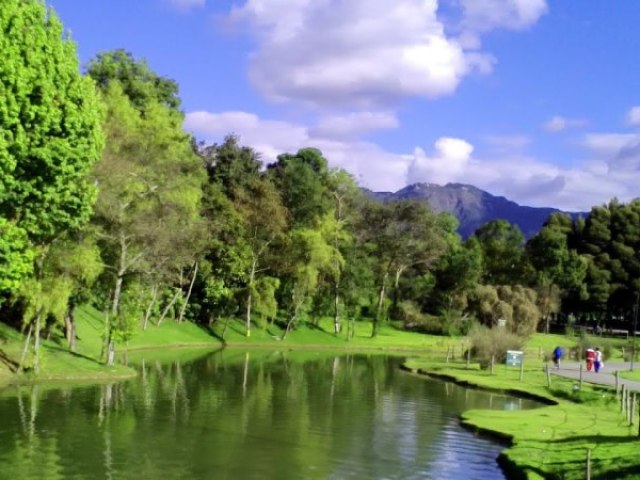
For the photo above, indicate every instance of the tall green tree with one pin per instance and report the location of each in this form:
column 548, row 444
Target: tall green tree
column 559, row 270
column 502, row 246
column 304, row 182
column 404, row 234
column 149, row 194
column 50, row 135
column 139, row 83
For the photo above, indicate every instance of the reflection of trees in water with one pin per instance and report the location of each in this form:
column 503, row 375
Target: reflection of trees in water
column 279, row 414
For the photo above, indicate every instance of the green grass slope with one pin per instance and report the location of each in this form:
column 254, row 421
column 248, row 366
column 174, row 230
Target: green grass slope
column 58, row 363
column 552, row 441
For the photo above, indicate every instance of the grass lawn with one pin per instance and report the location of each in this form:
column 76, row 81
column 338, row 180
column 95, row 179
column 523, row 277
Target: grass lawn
column 552, row 441
column 57, row 363
column 322, row 337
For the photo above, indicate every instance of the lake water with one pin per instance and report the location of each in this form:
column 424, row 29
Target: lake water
column 258, row 415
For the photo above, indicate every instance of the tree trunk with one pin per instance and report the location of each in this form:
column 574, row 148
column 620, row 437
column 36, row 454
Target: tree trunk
column 293, row 318
column 396, row 291
column 186, row 301
column 378, row 318
column 23, row 357
column 70, row 327
column 111, row 352
column 252, row 277
column 36, row 343
column 336, row 307
column 147, row 313
column 169, row 305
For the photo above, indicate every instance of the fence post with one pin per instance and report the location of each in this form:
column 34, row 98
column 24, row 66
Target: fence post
column 546, row 367
column 468, row 357
column 617, row 382
column 493, row 359
column 581, row 367
column 588, row 464
column 448, row 352
column 632, row 416
column 622, row 398
column 521, row 367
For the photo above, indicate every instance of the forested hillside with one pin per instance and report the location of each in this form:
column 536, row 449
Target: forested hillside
column 105, row 200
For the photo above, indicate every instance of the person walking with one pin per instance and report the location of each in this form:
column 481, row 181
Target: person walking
column 590, row 357
column 597, row 361
column 557, row 356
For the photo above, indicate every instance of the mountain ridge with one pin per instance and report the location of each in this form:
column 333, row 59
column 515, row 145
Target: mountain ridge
column 472, row 206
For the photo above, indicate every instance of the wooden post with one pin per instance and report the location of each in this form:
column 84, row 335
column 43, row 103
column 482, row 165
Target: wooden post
column 632, row 416
column 581, row 366
column 448, row 352
column 588, row 464
column 622, row 399
column 546, row 367
column 521, row 367
column 468, row 357
column 622, row 348
column 493, row 359
column 617, row 382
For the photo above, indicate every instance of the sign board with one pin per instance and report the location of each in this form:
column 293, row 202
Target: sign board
column 514, row 358
column 502, row 322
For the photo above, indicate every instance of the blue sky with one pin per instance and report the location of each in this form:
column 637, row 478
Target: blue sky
column 532, row 99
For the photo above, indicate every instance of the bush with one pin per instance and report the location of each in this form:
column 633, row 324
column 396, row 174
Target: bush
column 455, row 323
column 493, row 342
column 413, row 319
column 587, row 341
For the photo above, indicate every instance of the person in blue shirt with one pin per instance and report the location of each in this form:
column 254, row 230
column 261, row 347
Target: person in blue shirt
column 557, row 356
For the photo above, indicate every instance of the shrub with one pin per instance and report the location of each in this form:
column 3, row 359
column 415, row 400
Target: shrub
column 493, row 342
column 586, row 341
column 455, row 323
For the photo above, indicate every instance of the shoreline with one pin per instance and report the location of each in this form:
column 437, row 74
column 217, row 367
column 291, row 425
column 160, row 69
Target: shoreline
column 550, row 441
column 467, row 384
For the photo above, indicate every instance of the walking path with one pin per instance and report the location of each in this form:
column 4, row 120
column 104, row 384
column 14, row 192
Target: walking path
column 604, row 377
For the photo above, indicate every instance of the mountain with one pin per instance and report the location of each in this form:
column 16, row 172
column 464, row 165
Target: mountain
column 471, row 206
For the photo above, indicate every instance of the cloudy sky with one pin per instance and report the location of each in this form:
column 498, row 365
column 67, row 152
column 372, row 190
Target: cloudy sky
column 537, row 100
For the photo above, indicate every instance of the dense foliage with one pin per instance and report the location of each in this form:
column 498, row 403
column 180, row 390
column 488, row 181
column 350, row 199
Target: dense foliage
column 50, row 138
column 207, row 232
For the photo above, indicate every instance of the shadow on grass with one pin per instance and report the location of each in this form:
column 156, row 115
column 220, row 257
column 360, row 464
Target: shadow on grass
column 318, row 328
column 75, row 354
column 9, row 362
column 598, row 439
column 212, row 332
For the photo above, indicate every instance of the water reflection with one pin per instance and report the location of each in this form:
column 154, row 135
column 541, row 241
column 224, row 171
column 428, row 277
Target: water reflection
column 249, row 415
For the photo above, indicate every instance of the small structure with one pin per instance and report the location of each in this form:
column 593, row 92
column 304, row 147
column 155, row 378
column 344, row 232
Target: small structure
column 514, row 358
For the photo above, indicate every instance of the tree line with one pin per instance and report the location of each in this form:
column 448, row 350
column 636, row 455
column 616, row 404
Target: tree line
column 104, row 198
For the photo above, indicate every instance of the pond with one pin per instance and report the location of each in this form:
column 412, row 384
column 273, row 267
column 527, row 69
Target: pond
column 250, row 415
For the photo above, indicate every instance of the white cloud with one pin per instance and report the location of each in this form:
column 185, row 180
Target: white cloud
column 186, row 5
column 607, row 144
column 353, row 124
column 361, row 53
column 485, row 15
column 633, row 117
column 522, row 178
column 450, row 161
column 559, row 123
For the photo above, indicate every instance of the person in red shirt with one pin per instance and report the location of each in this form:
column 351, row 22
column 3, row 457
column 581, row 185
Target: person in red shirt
column 590, row 356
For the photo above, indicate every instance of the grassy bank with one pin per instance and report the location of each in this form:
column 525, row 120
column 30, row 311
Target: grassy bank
column 552, row 441
column 58, row 363
column 321, row 336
